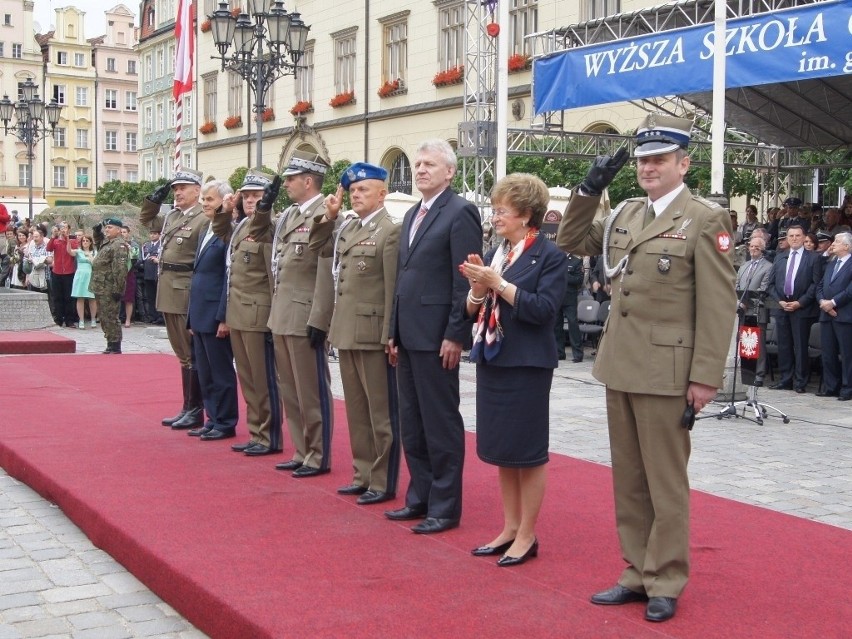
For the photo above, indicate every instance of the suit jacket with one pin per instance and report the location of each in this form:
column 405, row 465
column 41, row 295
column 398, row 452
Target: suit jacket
column 540, row 276
column 303, row 284
column 366, row 259
column 180, row 234
column 839, row 290
column 756, row 282
column 429, row 300
column 208, row 295
column 804, row 284
column 673, row 306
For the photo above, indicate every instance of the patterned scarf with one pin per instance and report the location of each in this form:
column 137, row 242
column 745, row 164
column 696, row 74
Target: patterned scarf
column 488, row 332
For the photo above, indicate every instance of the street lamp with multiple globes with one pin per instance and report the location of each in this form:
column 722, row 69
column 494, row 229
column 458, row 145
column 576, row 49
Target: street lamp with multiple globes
column 264, row 50
column 32, row 119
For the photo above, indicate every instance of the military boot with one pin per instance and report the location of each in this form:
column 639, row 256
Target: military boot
column 184, row 378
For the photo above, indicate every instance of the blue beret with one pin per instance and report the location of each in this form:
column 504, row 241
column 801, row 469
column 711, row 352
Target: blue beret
column 362, row 171
column 114, row 221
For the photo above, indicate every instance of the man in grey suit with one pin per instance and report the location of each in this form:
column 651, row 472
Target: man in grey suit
column 753, row 280
column 427, row 333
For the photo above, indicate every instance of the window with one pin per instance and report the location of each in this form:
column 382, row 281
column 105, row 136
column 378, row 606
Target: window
column 161, row 62
column 111, row 140
column 59, row 136
column 111, row 99
column 149, row 68
column 400, row 175
column 82, row 177
column 149, row 119
column 210, row 98
column 600, row 8
column 395, row 59
column 23, row 175
column 187, row 160
column 79, row 59
column 161, row 118
column 187, row 110
column 235, row 94
column 131, row 67
column 111, row 175
column 2, row 53
column 130, row 141
column 344, row 63
column 82, row 138
column 17, row 51
column 7, row 19
column 149, row 170
column 130, row 100
column 161, row 168
column 170, row 59
column 110, row 65
column 59, row 93
column 132, row 176
column 59, row 176
column 81, row 97
column 523, row 20
column 451, row 40
column 305, row 80
column 61, row 57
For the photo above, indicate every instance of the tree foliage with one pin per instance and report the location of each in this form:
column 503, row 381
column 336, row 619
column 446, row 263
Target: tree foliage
column 117, row 192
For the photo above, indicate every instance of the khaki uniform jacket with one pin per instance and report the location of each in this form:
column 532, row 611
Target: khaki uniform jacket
column 673, row 305
column 109, row 268
column 250, row 273
column 304, row 287
column 367, row 259
column 180, row 235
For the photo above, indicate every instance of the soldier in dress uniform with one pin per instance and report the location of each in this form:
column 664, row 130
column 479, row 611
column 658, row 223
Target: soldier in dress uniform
column 302, row 304
column 180, row 231
column 365, row 252
column 249, row 277
column 663, row 349
column 109, row 272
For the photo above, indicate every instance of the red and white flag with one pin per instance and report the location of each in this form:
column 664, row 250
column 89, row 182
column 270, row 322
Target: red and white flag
column 184, row 56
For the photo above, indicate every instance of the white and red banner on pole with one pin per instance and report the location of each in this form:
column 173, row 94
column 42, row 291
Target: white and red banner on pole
column 184, row 57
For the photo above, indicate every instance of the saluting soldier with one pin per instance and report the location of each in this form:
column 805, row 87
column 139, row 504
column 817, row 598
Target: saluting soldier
column 302, row 304
column 249, row 277
column 365, row 252
column 663, row 349
column 180, row 231
column 109, row 272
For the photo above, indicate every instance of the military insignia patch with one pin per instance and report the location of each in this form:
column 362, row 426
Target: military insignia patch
column 299, row 249
column 246, row 257
column 664, row 264
column 723, row 242
column 179, row 240
column 362, row 265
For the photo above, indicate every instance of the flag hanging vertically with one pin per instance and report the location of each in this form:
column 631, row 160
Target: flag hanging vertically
column 184, row 56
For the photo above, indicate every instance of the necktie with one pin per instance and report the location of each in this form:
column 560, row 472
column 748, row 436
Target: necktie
column 791, row 267
column 650, row 216
column 836, row 269
column 416, row 223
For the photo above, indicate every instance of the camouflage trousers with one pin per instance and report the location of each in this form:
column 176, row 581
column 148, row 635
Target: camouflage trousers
column 110, row 325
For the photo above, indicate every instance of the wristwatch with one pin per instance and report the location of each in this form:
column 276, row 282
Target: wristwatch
column 502, row 287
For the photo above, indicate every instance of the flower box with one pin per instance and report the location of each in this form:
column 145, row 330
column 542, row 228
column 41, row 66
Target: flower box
column 207, row 127
column 342, row 99
column 391, row 87
column 233, row 122
column 519, row 62
column 453, row 75
column 268, row 114
column 302, row 107
column 206, row 26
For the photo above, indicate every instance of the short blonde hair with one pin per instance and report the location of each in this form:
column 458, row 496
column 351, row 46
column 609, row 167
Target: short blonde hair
column 525, row 192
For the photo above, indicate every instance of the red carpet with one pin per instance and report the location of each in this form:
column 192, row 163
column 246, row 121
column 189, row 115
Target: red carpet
column 245, row 551
column 32, row 342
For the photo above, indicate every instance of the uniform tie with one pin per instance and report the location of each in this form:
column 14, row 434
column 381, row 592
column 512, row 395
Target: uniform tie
column 650, row 216
column 416, row 223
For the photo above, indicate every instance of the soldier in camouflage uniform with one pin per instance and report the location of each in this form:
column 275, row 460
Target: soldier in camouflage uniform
column 109, row 271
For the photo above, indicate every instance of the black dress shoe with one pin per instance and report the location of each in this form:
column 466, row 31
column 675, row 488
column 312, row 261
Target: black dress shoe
column 310, row 471
column 216, row 435
column 505, row 561
column 577, row 360
column 241, row 448
column 485, row 551
column 844, row 398
column 256, row 450
column 405, row 513
column 798, row 389
column 617, row 595
column 352, row 489
column 660, row 608
column 781, row 387
column 374, row 497
column 826, row 394
column 198, row 432
column 432, row 525
column 289, row 465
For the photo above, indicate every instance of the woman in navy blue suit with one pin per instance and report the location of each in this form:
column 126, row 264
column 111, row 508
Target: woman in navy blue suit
column 515, row 293
column 211, row 347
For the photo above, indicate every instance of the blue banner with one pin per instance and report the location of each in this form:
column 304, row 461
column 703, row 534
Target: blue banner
column 783, row 46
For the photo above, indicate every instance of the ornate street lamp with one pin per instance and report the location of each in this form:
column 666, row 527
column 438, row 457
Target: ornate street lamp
column 268, row 43
column 33, row 120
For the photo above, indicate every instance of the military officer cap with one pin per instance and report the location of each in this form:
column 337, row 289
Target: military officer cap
column 187, row 176
column 113, row 221
column 256, row 180
column 822, row 236
column 305, row 162
column 362, row 171
column 659, row 134
column 792, row 201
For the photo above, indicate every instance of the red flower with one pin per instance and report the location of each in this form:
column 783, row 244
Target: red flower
column 302, row 107
column 518, row 62
column 342, row 99
column 207, row 127
column 453, row 75
column 233, row 122
column 389, row 88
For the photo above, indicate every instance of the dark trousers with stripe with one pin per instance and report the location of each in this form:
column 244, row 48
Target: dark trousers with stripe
column 255, row 359
column 213, row 358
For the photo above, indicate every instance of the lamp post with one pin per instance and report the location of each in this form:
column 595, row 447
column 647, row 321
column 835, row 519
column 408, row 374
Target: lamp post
column 268, row 44
column 32, row 119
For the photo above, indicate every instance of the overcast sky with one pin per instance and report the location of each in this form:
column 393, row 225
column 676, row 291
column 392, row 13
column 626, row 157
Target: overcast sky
column 45, row 14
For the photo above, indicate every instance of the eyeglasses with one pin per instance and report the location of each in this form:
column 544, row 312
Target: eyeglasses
column 501, row 213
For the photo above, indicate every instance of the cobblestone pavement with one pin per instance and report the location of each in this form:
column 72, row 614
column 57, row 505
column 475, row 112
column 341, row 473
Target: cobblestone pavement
column 55, row 583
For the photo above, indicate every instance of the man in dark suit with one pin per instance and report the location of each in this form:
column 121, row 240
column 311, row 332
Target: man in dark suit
column 427, row 334
column 212, row 355
column 834, row 292
column 568, row 312
column 794, row 281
